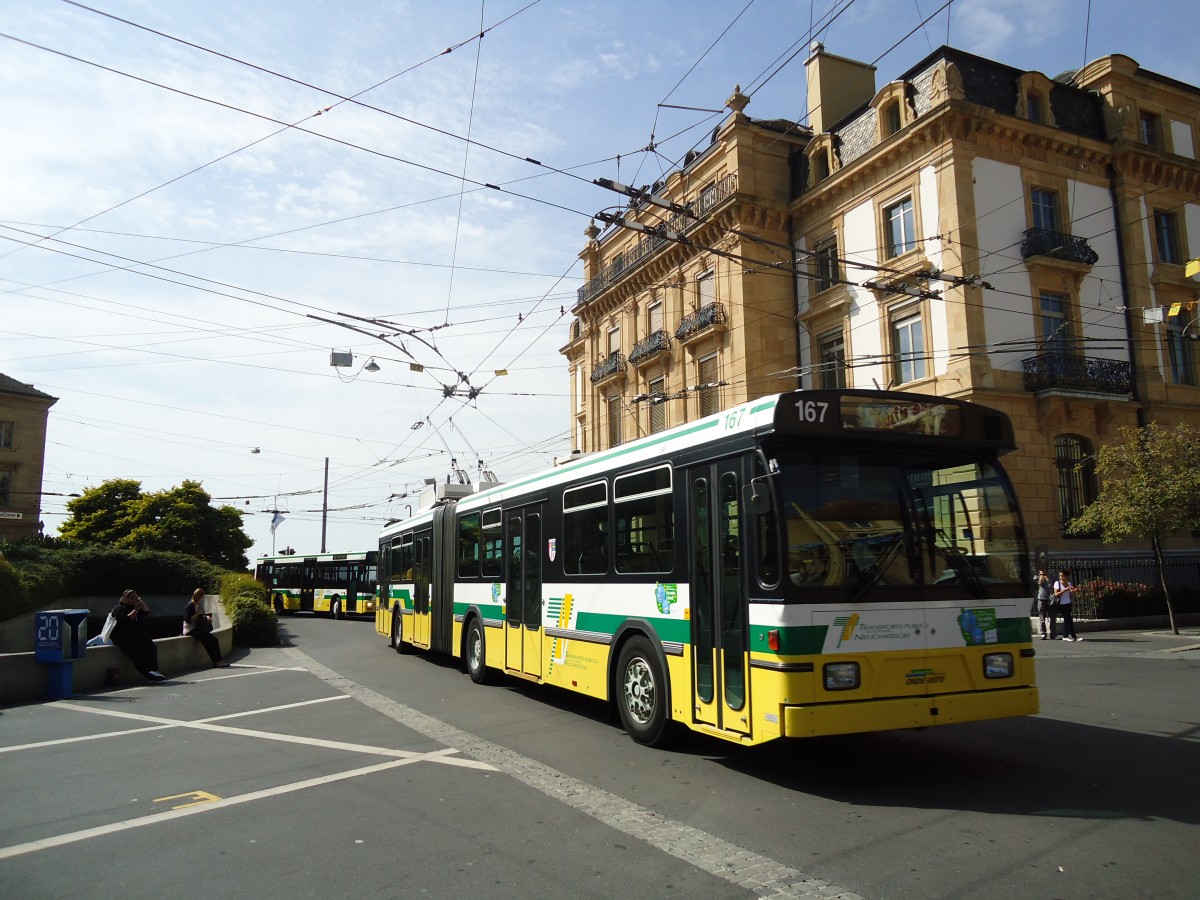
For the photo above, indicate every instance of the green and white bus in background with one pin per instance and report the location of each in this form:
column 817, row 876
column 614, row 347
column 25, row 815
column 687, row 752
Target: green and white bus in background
column 332, row 584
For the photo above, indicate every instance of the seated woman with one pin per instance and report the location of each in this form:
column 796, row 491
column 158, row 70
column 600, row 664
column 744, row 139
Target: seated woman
column 198, row 624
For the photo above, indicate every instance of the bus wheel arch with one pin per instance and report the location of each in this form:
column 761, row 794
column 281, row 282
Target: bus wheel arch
column 474, row 649
column 638, row 684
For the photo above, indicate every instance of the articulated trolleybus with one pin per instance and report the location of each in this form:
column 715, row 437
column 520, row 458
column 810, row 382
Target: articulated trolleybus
column 332, row 584
column 813, row 563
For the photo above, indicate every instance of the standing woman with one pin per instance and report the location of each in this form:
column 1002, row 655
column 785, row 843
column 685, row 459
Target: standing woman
column 1063, row 590
column 198, row 624
column 129, row 634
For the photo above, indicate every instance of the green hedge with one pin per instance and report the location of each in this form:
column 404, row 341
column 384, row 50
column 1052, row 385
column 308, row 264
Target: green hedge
column 51, row 572
column 1102, row 598
column 254, row 622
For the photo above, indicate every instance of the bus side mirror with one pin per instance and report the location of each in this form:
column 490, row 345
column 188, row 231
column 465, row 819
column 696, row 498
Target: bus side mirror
column 756, row 501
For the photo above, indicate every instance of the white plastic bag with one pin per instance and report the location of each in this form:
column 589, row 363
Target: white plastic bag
column 104, row 638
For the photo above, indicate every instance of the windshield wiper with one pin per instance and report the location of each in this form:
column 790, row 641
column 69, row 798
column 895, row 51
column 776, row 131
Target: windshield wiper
column 870, row 576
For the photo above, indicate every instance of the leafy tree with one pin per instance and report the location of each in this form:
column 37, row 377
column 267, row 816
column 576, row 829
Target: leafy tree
column 1151, row 480
column 180, row 519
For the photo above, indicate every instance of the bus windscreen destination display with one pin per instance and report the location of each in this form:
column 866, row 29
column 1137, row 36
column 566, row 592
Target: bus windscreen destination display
column 902, row 417
column 870, row 414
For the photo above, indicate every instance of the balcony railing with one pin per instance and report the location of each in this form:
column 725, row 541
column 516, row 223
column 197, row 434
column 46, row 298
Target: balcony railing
column 1044, row 242
column 1052, row 371
column 708, row 200
column 705, row 317
column 613, row 364
column 647, row 348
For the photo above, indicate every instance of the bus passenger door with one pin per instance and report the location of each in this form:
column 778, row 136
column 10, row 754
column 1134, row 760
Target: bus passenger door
column 720, row 684
column 308, row 578
column 523, row 591
column 422, row 571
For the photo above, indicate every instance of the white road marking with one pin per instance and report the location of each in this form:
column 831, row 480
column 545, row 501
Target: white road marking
column 205, row 725
column 707, row 852
column 170, row 815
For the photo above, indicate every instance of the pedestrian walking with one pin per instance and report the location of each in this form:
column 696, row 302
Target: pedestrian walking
column 1063, row 593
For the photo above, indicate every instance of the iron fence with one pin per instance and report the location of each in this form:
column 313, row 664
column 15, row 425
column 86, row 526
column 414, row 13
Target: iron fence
column 1182, row 570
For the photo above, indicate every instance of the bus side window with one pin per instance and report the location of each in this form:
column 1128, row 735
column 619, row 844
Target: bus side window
column 468, row 545
column 585, row 524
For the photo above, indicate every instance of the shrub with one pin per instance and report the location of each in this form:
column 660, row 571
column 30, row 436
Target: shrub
column 254, row 623
column 12, row 592
column 241, row 584
column 1104, row 598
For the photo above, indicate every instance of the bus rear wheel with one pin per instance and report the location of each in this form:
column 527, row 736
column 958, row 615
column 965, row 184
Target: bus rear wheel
column 642, row 693
column 476, row 653
column 335, row 608
column 397, row 638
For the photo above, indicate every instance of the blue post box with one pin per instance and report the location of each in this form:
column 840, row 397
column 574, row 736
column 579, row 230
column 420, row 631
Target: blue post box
column 59, row 638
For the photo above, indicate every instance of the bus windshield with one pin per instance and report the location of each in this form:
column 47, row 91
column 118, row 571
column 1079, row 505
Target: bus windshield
column 879, row 525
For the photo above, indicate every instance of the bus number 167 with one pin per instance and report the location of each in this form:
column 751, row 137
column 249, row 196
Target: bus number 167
column 811, row 410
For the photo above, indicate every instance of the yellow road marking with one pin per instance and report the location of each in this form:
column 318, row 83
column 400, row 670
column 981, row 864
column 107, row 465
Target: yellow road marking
column 197, row 797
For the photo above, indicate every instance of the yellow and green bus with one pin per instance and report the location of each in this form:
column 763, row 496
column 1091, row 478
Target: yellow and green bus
column 331, row 584
column 812, row 563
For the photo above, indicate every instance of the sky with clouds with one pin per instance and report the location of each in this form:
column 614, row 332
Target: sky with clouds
column 196, row 194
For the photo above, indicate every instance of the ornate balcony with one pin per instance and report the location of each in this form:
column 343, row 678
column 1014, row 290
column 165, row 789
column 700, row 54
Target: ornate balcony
column 711, row 316
column 1054, row 371
column 626, row 261
column 1055, row 244
column 650, row 347
column 609, row 368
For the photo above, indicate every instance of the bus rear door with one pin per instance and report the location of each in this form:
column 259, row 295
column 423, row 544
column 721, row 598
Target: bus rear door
column 422, row 572
column 720, row 687
column 523, row 591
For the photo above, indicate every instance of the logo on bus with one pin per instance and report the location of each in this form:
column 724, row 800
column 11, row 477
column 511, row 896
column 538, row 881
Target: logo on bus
column 552, row 548
column 847, row 624
column 924, row 676
column 665, row 595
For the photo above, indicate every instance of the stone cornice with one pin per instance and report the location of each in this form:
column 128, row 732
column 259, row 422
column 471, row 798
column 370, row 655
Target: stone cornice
column 1134, row 161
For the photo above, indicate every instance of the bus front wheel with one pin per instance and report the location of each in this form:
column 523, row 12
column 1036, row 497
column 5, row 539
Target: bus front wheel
column 335, row 608
column 476, row 653
column 642, row 693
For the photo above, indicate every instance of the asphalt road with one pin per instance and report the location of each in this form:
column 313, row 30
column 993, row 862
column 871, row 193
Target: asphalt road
column 334, row 767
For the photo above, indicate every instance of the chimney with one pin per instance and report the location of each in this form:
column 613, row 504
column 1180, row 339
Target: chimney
column 836, row 87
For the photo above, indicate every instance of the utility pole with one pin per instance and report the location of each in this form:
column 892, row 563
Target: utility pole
column 324, row 504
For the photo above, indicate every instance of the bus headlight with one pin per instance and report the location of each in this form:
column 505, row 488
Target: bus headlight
column 997, row 665
column 842, row 676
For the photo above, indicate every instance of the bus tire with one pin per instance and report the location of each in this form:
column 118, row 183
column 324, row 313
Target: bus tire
column 397, row 639
column 335, row 608
column 475, row 652
column 278, row 601
column 641, row 692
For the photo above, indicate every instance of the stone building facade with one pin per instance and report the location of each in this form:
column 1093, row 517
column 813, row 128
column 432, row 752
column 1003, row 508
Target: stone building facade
column 968, row 230
column 24, row 411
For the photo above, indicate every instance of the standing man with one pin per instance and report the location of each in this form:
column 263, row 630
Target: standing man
column 1047, row 612
column 1063, row 591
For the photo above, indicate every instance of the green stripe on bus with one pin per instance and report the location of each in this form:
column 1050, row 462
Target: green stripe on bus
column 604, row 623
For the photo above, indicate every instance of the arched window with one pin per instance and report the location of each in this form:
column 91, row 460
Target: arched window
column 1075, row 459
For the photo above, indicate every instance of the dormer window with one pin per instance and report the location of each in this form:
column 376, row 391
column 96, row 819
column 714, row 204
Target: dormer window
column 891, row 118
column 1035, row 110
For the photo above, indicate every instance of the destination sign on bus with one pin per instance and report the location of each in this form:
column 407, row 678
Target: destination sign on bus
column 921, row 417
column 872, row 413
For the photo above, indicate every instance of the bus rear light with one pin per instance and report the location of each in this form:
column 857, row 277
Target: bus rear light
column 773, row 639
column 997, row 665
column 843, row 676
